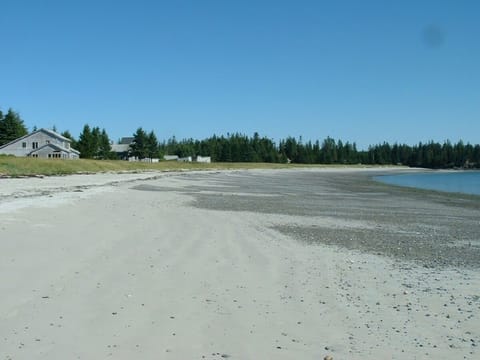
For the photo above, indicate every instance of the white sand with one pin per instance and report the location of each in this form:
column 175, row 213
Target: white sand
column 115, row 272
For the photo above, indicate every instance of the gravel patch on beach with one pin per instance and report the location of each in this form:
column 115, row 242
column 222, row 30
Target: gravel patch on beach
column 431, row 228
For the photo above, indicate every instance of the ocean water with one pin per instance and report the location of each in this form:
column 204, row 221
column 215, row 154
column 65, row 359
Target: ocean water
column 467, row 182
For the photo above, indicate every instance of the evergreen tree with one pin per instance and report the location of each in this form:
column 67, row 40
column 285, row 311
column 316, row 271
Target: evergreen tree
column 67, row 134
column 140, row 144
column 152, row 145
column 329, row 151
column 104, row 147
column 86, row 143
column 95, row 146
column 11, row 127
column 290, row 147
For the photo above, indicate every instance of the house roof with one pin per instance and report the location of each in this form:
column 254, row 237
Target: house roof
column 126, row 140
column 55, row 134
column 119, row 148
column 47, row 131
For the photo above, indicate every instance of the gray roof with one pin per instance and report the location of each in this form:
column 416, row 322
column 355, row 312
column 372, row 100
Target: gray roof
column 53, row 133
column 119, row 148
column 47, row 131
column 126, row 140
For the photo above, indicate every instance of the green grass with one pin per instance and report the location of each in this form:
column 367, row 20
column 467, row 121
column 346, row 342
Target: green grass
column 13, row 166
column 16, row 166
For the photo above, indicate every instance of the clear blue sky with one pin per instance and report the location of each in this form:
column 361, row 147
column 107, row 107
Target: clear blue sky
column 363, row 71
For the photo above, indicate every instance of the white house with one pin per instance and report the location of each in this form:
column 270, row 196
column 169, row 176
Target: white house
column 42, row 143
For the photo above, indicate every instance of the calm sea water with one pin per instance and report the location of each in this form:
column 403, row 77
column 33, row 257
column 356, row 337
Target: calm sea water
column 467, row 182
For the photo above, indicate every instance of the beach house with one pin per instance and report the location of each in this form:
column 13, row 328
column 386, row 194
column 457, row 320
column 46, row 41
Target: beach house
column 42, row 143
column 123, row 149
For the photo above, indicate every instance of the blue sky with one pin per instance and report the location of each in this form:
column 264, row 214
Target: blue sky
column 363, row 71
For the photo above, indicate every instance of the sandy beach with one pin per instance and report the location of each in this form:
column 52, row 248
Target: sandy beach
column 260, row 264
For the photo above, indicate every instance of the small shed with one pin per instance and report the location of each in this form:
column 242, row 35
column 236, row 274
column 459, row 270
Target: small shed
column 185, row 159
column 204, row 159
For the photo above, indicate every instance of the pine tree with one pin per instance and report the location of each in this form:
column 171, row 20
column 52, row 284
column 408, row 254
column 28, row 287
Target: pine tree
column 11, row 127
column 152, row 145
column 86, row 143
column 139, row 145
column 104, row 147
column 96, row 142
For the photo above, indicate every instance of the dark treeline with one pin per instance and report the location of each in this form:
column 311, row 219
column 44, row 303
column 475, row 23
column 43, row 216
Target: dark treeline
column 232, row 148
column 429, row 155
column 94, row 142
column 241, row 148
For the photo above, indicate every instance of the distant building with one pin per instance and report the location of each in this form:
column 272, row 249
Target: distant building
column 42, row 143
column 185, row 159
column 126, row 140
column 204, row 159
column 120, row 147
column 200, row 159
column 123, row 148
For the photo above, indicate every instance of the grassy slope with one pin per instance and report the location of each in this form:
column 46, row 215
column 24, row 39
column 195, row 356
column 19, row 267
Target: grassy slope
column 12, row 166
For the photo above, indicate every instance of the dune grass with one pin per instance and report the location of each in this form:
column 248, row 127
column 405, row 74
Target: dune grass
column 16, row 166
column 11, row 166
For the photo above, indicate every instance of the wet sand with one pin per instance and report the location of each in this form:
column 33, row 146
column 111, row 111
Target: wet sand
column 241, row 265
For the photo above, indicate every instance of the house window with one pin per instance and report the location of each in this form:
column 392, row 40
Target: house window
column 24, row 145
column 34, row 145
column 47, row 141
column 35, row 155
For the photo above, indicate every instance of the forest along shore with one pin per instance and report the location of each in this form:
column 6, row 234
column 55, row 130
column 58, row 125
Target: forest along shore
column 297, row 264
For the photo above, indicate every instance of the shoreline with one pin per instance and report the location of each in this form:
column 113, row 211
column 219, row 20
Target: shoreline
column 184, row 265
column 40, row 186
column 416, row 182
